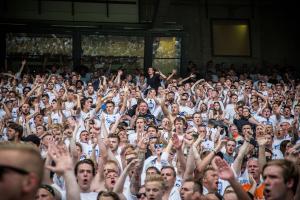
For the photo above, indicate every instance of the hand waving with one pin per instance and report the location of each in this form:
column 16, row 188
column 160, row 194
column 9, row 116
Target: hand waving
column 224, row 170
column 61, row 156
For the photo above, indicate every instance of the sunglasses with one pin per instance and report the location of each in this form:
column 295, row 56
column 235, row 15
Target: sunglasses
column 139, row 195
column 4, row 169
column 158, row 146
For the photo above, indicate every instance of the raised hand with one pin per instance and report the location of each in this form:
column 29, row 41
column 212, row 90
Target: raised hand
column 143, row 142
column 62, row 158
column 224, row 170
column 176, row 141
column 261, row 140
column 221, row 142
column 24, row 62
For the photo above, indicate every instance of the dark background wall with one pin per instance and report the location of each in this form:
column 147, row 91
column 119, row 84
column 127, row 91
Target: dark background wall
column 273, row 23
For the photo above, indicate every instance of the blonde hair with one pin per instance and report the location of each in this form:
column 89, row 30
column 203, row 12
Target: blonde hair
column 155, row 178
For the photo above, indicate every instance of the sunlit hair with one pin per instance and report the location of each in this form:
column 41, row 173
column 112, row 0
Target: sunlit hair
column 155, row 178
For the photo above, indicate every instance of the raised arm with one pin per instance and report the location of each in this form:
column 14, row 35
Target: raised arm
column 73, row 150
column 7, row 112
column 64, row 165
column 185, row 79
column 237, row 164
column 174, row 71
column 124, row 102
column 165, row 109
column 201, row 165
column 190, row 166
column 120, row 183
column 177, row 144
column 226, row 173
column 261, row 140
column 46, row 175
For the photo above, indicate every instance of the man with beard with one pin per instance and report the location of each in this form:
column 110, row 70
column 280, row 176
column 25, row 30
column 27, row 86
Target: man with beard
column 14, row 132
column 281, row 178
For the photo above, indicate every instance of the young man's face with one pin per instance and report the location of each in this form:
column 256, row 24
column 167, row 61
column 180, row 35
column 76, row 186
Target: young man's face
column 154, row 190
column 186, row 190
column 275, row 186
column 169, row 178
column 143, row 107
column 25, row 108
column 84, row 137
column 150, row 71
column 111, row 180
column 110, row 108
column 230, row 146
column 210, row 180
column 179, row 125
column 11, row 134
column 113, row 143
column 266, row 113
column 84, row 176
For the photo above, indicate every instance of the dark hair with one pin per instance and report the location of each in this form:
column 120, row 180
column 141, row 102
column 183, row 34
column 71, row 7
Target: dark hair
column 111, row 102
column 85, row 161
column 112, row 135
column 32, row 138
column 26, row 88
column 169, row 167
column 16, row 127
column 154, row 168
column 49, row 188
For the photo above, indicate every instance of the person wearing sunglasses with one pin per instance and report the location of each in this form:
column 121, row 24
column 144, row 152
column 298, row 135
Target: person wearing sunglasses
column 141, row 195
column 19, row 178
column 47, row 192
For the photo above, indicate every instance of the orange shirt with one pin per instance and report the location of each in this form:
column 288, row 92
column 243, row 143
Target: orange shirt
column 259, row 192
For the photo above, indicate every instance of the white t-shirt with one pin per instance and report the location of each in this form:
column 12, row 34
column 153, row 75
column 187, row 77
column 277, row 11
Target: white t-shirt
column 109, row 119
column 229, row 112
column 84, row 196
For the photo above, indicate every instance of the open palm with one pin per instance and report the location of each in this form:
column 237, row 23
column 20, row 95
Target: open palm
column 224, row 170
column 63, row 160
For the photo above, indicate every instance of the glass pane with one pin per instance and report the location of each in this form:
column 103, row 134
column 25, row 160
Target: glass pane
column 100, row 45
column 166, row 65
column 231, row 38
column 166, row 47
column 129, row 64
column 38, row 44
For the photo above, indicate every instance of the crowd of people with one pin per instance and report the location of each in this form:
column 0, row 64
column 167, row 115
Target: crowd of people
column 117, row 135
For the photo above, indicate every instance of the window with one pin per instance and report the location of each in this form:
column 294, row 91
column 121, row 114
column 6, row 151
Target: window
column 231, row 38
column 166, row 53
column 117, row 51
column 38, row 44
